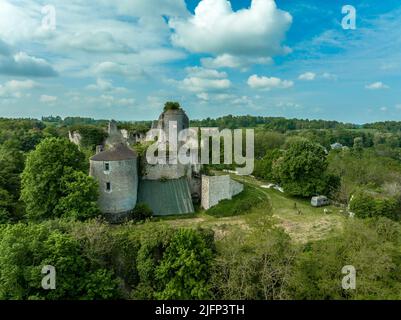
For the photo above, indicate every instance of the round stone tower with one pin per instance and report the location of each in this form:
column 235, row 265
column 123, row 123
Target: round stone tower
column 177, row 115
column 116, row 170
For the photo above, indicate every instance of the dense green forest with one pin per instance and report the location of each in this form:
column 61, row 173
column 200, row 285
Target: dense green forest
column 49, row 216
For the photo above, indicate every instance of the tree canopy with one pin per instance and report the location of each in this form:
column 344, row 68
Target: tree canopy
column 302, row 170
column 53, row 183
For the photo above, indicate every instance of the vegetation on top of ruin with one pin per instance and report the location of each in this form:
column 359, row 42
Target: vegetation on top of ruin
column 171, row 105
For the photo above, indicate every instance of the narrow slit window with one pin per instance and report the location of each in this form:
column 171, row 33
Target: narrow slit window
column 108, row 186
column 107, row 166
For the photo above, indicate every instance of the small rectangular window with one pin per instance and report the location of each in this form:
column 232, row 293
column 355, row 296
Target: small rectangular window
column 108, row 186
column 107, row 166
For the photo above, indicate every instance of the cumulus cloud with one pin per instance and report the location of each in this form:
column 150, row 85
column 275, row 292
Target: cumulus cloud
column 14, row 88
column 149, row 7
column 230, row 61
column 105, row 85
column 216, row 29
column 376, row 86
column 329, row 76
column 110, row 101
column 107, row 68
column 307, row 76
column 47, row 99
column 201, row 80
column 93, row 42
column 268, row 83
column 22, row 64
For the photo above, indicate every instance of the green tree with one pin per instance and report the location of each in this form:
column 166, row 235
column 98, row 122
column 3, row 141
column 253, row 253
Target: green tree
column 358, row 144
column 185, row 269
column 302, row 170
column 371, row 247
column 250, row 269
column 366, row 205
column 11, row 166
column 43, row 175
column 264, row 166
column 141, row 212
column 92, row 135
column 266, row 141
column 79, row 196
column 25, row 249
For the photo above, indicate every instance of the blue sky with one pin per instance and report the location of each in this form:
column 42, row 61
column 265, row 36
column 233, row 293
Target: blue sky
column 123, row 59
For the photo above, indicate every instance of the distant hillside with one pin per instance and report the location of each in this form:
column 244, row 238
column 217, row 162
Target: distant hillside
column 279, row 124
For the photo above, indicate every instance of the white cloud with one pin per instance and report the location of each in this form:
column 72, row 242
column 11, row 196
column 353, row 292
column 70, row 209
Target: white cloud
column 376, row 86
column 201, row 80
column 148, row 7
column 14, row 88
column 22, row 64
column 256, row 82
column 93, row 42
column 200, row 84
column 119, row 69
column 230, row 61
column 307, row 76
column 203, row 96
column 383, row 109
column 288, row 104
column 105, row 85
column 205, row 73
column 329, row 76
column 215, row 28
column 110, row 100
column 48, row 99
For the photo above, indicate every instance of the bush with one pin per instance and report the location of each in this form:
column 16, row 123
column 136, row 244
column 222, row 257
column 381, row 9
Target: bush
column 247, row 268
column 92, row 136
column 171, row 106
column 25, row 249
column 184, row 271
column 371, row 248
column 264, row 166
column 141, row 212
column 366, row 205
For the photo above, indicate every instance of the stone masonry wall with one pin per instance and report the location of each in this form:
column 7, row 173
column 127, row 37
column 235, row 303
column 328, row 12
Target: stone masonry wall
column 217, row 188
column 123, row 178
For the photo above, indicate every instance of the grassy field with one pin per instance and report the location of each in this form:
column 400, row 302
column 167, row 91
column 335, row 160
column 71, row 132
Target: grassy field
column 300, row 220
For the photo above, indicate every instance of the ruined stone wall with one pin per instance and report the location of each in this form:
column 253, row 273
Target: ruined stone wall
column 235, row 187
column 217, row 188
column 165, row 171
column 123, row 178
column 75, row 137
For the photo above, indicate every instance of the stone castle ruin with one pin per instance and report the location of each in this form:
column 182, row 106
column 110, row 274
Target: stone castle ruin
column 168, row 189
